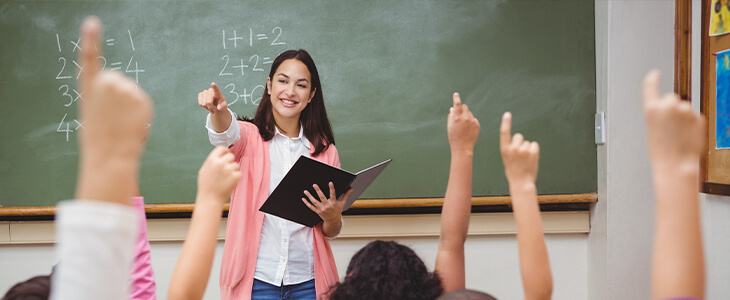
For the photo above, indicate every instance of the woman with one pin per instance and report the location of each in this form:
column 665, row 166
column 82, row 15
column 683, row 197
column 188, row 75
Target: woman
column 266, row 256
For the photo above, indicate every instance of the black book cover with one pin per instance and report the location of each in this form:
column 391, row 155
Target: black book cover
column 286, row 200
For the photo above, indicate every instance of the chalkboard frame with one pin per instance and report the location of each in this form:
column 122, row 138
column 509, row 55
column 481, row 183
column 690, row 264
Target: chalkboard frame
column 365, row 203
column 404, row 205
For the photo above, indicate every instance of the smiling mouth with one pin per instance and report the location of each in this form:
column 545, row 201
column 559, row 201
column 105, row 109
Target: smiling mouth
column 288, row 102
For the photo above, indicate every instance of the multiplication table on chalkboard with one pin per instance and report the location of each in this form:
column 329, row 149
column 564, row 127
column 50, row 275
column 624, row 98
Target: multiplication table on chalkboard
column 69, row 71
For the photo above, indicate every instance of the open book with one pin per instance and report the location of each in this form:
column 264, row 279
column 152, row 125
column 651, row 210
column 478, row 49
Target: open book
column 286, row 200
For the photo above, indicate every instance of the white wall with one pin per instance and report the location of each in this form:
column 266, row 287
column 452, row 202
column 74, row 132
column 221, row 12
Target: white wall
column 491, row 261
column 632, row 37
column 716, row 230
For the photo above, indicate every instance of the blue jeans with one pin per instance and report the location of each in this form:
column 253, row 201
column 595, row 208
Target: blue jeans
column 264, row 291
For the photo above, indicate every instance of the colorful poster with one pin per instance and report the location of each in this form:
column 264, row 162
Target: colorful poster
column 720, row 20
column 722, row 98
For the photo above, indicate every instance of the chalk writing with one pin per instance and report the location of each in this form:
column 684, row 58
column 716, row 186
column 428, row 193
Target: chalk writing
column 71, row 95
column 246, row 53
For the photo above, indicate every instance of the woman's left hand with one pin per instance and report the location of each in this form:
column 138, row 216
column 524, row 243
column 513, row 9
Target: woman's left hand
column 329, row 209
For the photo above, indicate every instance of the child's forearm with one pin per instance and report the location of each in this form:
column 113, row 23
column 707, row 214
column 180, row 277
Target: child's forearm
column 455, row 222
column 534, row 261
column 678, row 266
column 106, row 178
column 196, row 259
column 457, row 201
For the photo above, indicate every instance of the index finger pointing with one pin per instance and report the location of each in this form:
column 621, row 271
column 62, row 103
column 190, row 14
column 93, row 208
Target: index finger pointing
column 457, row 103
column 216, row 91
column 651, row 86
column 505, row 130
column 90, row 50
column 457, row 99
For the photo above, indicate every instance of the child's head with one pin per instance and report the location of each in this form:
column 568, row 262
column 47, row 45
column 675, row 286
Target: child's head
column 465, row 294
column 387, row 270
column 36, row 288
column 303, row 98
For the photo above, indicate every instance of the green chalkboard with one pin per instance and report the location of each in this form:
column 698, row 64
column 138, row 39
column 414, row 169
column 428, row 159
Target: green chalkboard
column 388, row 70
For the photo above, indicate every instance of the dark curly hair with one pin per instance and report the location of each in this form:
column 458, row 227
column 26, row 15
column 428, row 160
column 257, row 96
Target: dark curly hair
column 387, row 270
column 36, row 288
column 465, row 294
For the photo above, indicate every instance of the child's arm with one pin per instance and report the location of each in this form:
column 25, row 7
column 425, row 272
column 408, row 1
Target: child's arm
column 143, row 278
column 96, row 234
column 115, row 119
column 463, row 130
column 676, row 136
column 520, row 159
column 216, row 180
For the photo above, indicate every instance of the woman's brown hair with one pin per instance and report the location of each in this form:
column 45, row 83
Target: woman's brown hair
column 313, row 118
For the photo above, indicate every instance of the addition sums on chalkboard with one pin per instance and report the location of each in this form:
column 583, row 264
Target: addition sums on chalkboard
column 388, row 69
column 259, row 51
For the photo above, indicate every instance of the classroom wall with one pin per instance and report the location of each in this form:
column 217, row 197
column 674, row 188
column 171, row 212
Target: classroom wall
column 613, row 261
column 491, row 258
column 716, row 230
column 632, row 37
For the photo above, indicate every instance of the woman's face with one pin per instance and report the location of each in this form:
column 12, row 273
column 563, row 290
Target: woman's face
column 290, row 89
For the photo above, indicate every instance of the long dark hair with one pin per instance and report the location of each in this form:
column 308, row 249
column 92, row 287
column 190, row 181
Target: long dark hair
column 387, row 270
column 313, row 118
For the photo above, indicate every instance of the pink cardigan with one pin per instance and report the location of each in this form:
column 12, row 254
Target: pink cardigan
column 143, row 279
column 245, row 220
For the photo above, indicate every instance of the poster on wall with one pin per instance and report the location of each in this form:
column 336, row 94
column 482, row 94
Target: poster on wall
column 720, row 19
column 722, row 98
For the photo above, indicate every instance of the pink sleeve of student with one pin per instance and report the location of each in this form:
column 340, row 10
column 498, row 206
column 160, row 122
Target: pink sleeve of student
column 143, row 279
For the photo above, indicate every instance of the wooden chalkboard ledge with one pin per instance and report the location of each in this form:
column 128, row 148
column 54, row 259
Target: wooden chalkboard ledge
column 716, row 188
column 475, row 201
column 362, row 205
column 357, row 227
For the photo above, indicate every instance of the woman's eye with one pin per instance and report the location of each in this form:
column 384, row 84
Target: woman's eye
column 302, row 86
column 282, row 81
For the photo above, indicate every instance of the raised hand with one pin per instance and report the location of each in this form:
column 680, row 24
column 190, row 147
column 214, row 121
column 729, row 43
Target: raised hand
column 520, row 157
column 463, row 130
column 218, row 176
column 462, row 127
column 329, row 209
column 115, row 113
column 676, row 134
column 216, row 179
column 212, row 99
